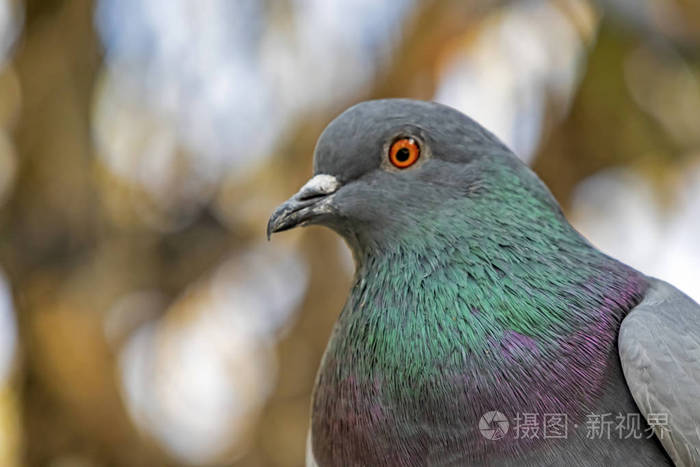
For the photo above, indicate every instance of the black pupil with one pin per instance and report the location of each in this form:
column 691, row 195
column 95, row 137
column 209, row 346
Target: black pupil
column 403, row 154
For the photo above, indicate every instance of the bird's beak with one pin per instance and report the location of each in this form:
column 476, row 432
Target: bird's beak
column 312, row 200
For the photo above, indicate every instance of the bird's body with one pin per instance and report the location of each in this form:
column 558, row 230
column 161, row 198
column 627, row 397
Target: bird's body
column 511, row 318
column 472, row 294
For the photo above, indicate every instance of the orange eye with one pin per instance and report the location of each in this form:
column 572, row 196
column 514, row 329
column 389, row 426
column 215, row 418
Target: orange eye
column 404, row 153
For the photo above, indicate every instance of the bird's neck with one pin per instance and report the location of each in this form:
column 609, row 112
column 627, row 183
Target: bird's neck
column 486, row 288
column 503, row 262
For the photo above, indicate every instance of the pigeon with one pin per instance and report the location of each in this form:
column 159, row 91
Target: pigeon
column 481, row 328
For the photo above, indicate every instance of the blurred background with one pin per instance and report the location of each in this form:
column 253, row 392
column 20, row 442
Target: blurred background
column 144, row 319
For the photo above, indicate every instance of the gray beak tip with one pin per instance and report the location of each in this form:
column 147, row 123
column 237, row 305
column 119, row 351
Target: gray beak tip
column 271, row 224
column 302, row 206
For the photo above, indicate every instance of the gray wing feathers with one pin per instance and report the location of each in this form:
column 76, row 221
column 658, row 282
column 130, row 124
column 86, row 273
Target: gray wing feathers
column 659, row 345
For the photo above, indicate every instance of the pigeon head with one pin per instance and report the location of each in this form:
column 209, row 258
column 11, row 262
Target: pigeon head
column 387, row 170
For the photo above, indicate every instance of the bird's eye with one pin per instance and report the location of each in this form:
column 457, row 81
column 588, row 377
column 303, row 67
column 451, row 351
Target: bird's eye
column 404, row 153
